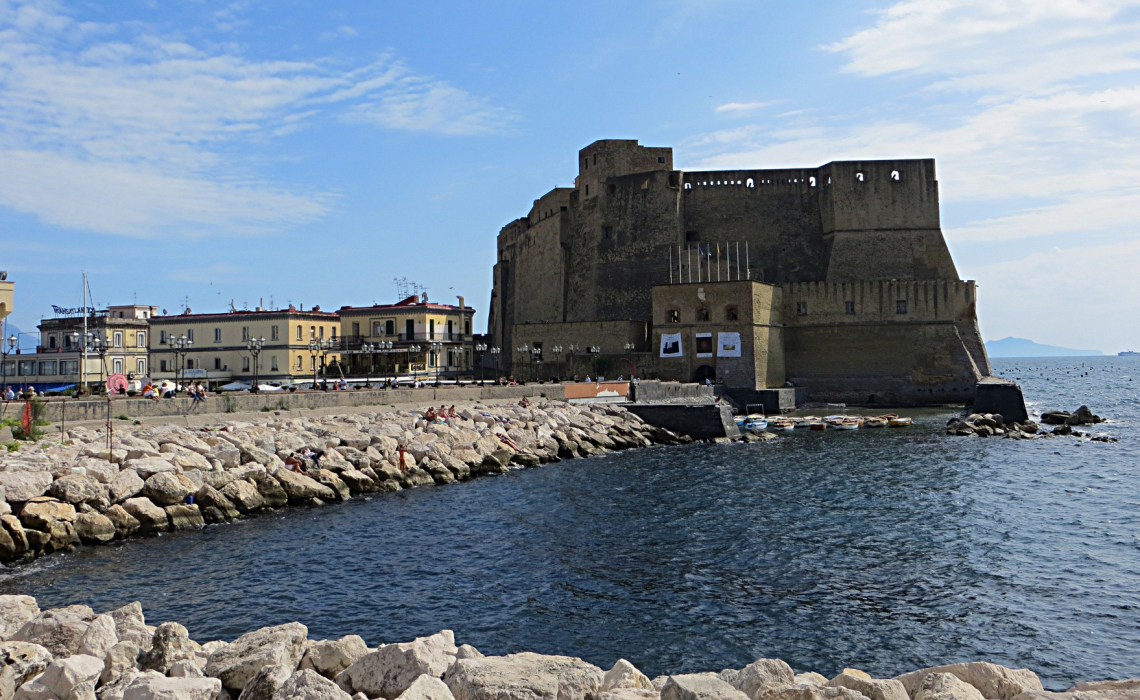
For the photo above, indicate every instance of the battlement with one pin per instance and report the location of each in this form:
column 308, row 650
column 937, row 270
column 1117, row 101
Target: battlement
column 878, row 301
column 602, row 160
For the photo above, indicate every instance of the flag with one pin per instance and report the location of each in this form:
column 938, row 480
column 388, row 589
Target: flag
column 718, row 251
column 26, row 420
column 699, row 251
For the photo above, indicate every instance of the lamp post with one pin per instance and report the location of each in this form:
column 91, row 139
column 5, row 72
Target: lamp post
column 180, row 345
column 92, row 341
column 557, row 350
column 571, row 349
column 321, row 348
column 525, row 350
column 629, row 357
column 435, row 351
column 254, row 346
column 6, row 349
column 594, row 350
column 413, row 350
column 368, row 348
column 495, row 352
column 480, row 349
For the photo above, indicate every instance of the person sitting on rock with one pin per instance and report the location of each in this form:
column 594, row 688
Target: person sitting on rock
column 314, row 455
column 293, row 463
column 430, row 414
column 524, row 403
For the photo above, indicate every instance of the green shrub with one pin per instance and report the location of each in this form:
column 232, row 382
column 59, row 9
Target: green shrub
column 122, row 416
column 12, row 446
column 228, row 404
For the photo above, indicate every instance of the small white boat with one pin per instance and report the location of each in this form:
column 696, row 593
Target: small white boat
column 784, row 425
column 847, row 424
column 756, row 424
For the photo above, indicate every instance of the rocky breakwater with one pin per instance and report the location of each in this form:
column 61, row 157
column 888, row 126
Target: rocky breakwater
column 74, row 653
column 59, row 494
column 994, row 425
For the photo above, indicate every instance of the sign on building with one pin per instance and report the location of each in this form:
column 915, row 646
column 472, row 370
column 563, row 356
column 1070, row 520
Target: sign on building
column 671, row 345
column 728, row 345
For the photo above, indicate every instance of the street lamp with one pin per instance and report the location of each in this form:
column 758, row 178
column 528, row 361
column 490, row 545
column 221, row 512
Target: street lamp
column 254, row 346
column 413, row 350
column 629, row 357
column 495, row 352
column 318, row 347
column 368, row 348
column 92, row 341
column 557, row 350
column 436, row 350
column 180, row 346
column 6, row 349
column 481, row 349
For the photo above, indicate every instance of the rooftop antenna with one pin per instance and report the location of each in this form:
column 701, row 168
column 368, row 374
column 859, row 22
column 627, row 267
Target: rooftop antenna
column 401, row 287
column 271, row 306
column 185, row 303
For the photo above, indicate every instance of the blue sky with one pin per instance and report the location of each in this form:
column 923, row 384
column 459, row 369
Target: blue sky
column 311, row 152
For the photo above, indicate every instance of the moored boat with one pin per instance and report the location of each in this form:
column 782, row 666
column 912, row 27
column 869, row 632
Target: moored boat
column 898, row 422
column 874, row 422
column 784, row 425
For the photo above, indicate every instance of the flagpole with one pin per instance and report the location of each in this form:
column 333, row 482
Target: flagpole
column 689, row 254
column 738, row 261
column 747, row 266
column 83, row 340
column 670, row 266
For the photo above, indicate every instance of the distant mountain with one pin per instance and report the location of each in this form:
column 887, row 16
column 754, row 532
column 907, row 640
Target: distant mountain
column 1020, row 347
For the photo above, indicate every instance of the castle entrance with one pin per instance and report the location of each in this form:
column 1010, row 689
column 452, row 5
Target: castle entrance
column 704, row 372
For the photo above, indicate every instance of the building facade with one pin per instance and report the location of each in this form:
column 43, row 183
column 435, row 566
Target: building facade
column 838, row 277
column 62, row 359
column 426, row 338
column 215, row 346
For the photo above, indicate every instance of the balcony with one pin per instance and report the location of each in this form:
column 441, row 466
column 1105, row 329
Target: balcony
column 353, row 342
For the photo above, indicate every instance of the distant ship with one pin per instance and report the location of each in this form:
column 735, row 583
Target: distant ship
column 1128, row 353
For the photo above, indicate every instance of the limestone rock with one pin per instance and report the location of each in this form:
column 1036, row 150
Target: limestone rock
column 154, row 687
column 887, row 689
column 187, row 668
column 272, row 493
column 209, row 497
column 331, row 656
column 59, row 630
column 389, row 670
column 466, row 651
column 625, row 675
column 763, row 674
column 120, row 660
column 946, row 686
column 300, row 488
column 995, row 682
column 94, row 528
column 185, row 517
column 147, row 467
column 115, row 689
column 808, row 691
column 130, row 626
column 15, row 611
column 99, row 637
column 307, row 684
column 170, row 643
column 151, row 518
column 244, row 495
column 357, row 481
column 22, row 486
column 427, row 688
column 40, row 512
column 77, row 488
column 699, row 686
column 68, row 678
column 1111, row 686
column 334, row 483
column 19, row 663
column 810, row 678
column 168, row 488
column 525, row 675
column 125, row 523
column 267, row 681
column 126, row 484
column 237, row 663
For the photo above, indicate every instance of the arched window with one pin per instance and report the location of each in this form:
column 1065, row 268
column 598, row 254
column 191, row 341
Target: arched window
column 811, row 180
column 702, row 314
column 859, row 177
column 895, row 175
column 688, row 185
column 731, row 314
column 672, row 316
column 749, row 183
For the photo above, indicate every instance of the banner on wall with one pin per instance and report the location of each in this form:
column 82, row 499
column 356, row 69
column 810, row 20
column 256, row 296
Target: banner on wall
column 728, row 345
column 704, row 343
column 671, row 345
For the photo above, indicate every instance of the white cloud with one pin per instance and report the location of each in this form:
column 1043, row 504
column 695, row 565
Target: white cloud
column 739, row 107
column 138, row 122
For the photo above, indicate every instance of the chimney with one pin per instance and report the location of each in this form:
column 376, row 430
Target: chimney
column 461, row 304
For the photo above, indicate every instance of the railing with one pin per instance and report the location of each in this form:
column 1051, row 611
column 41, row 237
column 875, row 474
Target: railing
column 353, row 342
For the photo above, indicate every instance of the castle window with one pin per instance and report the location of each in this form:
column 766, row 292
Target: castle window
column 801, row 308
column 859, row 177
column 608, row 232
column 849, row 308
column 692, row 236
column 611, row 189
column 900, row 306
column 812, row 181
column 730, row 314
column 672, row 316
column 688, row 185
column 895, row 175
column 749, row 183
column 587, row 190
column 702, row 314
column 585, row 164
column 660, row 159
column 595, row 159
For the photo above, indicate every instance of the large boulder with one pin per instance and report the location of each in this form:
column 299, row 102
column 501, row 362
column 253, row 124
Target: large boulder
column 125, row 524
column 946, row 686
column 272, row 493
column 185, row 517
column 427, row 688
column 810, row 691
column 995, row 682
column 389, row 670
column 874, row 689
column 526, row 675
column 21, row 486
column 329, row 657
column 151, row 518
column 209, row 497
column 243, row 495
column 73, row 678
column 126, row 484
column 99, row 637
column 39, row 513
column 155, row 687
column 19, row 663
column 699, row 686
column 15, row 612
column 307, row 684
column 170, row 643
column 59, row 630
column 763, row 674
column 300, row 488
column 130, row 625
column 334, row 483
column 121, row 660
column 168, row 488
column 625, row 675
column 237, row 663
column 266, row 682
column 78, row 488
column 149, row 466
column 94, row 528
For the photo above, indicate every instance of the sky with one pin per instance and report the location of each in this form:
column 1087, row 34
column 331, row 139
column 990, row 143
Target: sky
column 198, row 153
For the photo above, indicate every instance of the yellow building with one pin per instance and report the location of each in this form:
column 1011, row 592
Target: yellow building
column 427, row 339
column 61, row 361
column 214, row 348
column 7, row 292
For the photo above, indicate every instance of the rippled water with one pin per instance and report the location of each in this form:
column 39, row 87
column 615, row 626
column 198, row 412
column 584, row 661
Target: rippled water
column 886, row 550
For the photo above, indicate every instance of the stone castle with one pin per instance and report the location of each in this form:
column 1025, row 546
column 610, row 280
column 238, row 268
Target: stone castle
column 836, row 280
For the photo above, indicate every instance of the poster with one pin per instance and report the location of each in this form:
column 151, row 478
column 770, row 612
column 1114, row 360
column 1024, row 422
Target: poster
column 704, row 345
column 671, row 345
column 728, row 345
